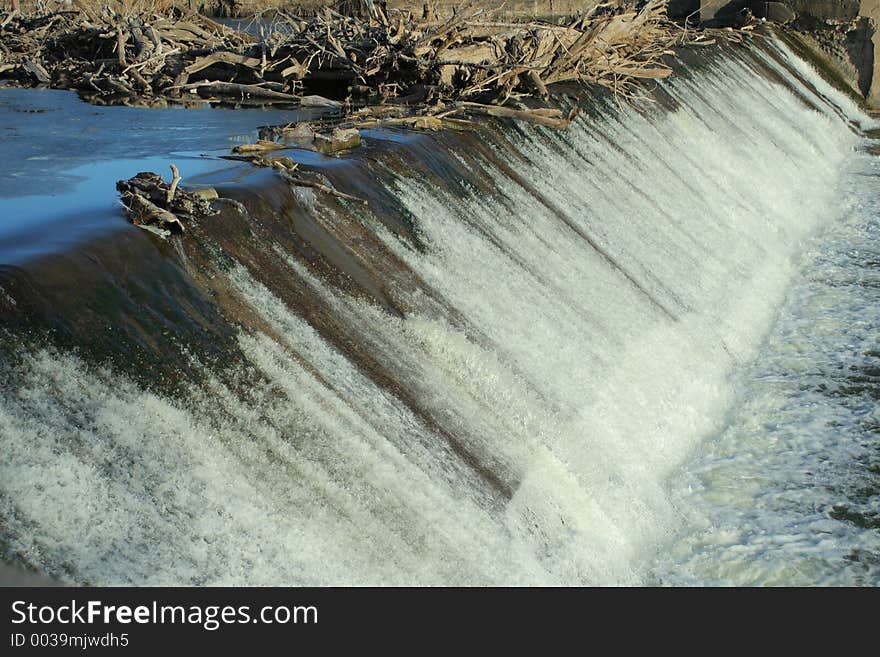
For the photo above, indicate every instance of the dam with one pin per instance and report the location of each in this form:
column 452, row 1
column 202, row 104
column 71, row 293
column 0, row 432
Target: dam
column 642, row 350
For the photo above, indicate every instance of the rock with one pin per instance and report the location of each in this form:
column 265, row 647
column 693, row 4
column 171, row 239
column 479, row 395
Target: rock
column 683, row 9
column 725, row 12
column 302, row 134
column 870, row 9
column 427, row 123
column 207, row 193
column 341, row 139
column 846, row 31
column 777, row 12
column 722, row 12
column 825, row 10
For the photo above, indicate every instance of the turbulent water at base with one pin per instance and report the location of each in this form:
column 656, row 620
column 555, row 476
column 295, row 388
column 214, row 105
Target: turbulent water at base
column 572, row 340
column 789, row 492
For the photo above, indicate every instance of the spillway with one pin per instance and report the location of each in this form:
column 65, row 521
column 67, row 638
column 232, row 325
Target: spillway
column 508, row 367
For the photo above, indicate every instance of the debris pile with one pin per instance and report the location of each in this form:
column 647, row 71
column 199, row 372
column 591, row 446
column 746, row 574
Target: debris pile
column 469, row 63
column 370, row 68
column 160, row 207
column 108, row 56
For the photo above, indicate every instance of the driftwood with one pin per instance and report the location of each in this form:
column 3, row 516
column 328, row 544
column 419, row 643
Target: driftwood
column 175, row 180
column 112, row 57
column 299, row 181
column 262, row 146
column 240, row 90
column 369, row 58
column 160, row 207
column 379, row 69
column 35, row 69
column 146, row 213
column 278, row 162
column 551, row 118
column 222, row 57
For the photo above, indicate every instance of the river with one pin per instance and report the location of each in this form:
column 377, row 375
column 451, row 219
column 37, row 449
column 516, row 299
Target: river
column 640, row 351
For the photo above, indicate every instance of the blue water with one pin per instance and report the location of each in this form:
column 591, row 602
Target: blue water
column 60, row 159
column 697, row 407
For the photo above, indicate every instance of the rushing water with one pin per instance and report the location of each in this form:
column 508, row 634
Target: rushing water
column 538, row 366
column 789, row 492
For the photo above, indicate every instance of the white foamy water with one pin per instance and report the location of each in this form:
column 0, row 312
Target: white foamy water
column 789, row 492
column 602, row 320
column 831, row 100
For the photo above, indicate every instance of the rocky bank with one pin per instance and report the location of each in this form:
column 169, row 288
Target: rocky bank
column 846, row 33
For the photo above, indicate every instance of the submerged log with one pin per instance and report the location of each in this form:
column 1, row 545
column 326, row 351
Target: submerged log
column 299, row 181
column 279, row 162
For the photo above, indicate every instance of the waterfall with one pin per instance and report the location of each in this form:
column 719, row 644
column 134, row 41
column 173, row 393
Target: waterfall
column 488, row 380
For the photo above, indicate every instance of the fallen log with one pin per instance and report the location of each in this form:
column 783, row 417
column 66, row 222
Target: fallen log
column 144, row 211
column 304, row 182
column 279, row 162
column 36, row 69
column 222, row 57
column 241, row 91
column 262, row 146
column 318, row 102
column 551, row 118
